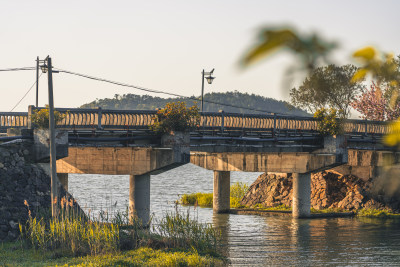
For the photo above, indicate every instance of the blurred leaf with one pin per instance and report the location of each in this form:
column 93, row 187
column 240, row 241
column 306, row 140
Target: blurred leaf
column 359, row 75
column 310, row 48
column 271, row 41
column 393, row 138
column 367, row 53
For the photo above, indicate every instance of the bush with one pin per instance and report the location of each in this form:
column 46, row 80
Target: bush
column 329, row 121
column 40, row 118
column 175, row 117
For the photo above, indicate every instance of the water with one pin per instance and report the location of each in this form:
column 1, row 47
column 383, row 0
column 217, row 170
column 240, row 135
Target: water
column 254, row 240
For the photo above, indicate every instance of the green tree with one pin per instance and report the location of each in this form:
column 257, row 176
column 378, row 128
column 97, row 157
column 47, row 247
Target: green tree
column 330, row 86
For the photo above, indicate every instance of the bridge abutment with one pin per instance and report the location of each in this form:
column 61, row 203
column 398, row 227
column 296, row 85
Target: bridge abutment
column 301, row 195
column 139, row 198
column 221, row 191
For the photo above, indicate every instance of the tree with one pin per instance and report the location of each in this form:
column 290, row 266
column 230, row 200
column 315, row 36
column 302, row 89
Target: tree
column 375, row 104
column 330, row 86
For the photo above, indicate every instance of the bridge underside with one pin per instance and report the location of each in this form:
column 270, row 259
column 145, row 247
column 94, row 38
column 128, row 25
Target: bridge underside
column 265, row 162
column 116, row 160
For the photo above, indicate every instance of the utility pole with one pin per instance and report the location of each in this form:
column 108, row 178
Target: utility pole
column 53, row 166
column 202, row 90
column 37, row 81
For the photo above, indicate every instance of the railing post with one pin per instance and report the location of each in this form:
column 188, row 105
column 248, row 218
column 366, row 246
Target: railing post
column 99, row 115
column 31, row 110
column 222, row 120
column 366, row 129
column 273, row 131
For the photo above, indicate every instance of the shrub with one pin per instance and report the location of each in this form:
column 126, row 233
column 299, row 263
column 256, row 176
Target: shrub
column 329, row 121
column 175, row 117
column 40, row 118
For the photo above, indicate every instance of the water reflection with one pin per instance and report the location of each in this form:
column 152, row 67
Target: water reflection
column 221, row 222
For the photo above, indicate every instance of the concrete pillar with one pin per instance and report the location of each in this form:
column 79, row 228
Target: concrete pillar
column 139, row 198
column 63, row 178
column 301, row 195
column 221, row 191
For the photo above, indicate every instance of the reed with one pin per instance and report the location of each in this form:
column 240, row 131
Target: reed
column 179, row 230
column 70, row 232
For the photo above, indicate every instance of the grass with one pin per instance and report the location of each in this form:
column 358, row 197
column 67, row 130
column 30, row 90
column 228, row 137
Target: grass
column 238, row 190
column 12, row 254
column 69, row 238
column 375, row 213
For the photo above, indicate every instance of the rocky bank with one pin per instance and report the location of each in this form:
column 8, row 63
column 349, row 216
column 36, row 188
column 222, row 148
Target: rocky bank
column 21, row 180
column 329, row 189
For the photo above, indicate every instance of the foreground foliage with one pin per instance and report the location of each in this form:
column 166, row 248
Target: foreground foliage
column 116, row 242
column 12, row 254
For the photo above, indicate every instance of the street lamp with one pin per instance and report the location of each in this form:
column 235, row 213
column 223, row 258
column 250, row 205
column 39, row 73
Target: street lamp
column 209, row 79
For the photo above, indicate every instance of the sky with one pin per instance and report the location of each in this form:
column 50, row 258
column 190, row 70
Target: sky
column 164, row 45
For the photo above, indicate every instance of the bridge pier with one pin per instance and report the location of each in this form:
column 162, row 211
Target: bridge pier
column 221, row 191
column 301, row 195
column 139, row 198
column 63, row 178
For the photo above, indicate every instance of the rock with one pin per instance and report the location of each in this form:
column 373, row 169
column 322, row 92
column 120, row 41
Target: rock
column 329, row 189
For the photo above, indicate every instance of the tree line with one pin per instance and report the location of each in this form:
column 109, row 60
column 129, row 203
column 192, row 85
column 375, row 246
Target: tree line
column 235, row 101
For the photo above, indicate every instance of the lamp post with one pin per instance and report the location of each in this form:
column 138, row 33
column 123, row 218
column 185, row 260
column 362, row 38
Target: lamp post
column 209, row 79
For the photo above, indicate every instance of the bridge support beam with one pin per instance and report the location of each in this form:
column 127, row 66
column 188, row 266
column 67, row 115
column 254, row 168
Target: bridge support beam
column 139, row 198
column 301, row 195
column 63, row 178
column 221, row 191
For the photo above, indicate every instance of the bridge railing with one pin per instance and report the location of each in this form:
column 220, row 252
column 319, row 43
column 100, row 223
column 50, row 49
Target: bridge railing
column 13, row 120
column 141, row 119
column 257, row 122
column 105, row 118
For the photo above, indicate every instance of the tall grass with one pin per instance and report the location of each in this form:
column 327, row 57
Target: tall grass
column 70, row 232
column 179, row 230
column 238, row 191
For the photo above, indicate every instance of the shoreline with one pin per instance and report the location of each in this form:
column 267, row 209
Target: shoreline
column 266, row 213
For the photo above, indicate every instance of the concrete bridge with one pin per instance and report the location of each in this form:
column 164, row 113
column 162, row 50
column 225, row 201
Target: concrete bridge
column 120, row 142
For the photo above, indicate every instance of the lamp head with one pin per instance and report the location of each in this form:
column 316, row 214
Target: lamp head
column 43, row 68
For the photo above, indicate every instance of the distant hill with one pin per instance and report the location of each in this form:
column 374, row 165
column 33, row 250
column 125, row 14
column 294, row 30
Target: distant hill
column 236, row 102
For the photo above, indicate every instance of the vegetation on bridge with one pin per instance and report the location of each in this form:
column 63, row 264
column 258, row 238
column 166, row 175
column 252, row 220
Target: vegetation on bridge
column 175, row 116
column 40, row 118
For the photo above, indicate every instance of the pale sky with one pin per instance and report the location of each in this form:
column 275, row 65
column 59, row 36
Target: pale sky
column 164, row 45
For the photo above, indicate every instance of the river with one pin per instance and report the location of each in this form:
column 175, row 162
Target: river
column 253, row 240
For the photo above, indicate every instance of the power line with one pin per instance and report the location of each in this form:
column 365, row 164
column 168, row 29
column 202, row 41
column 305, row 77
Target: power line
column 25, row 94
column 156, row 91
column 18, row 69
